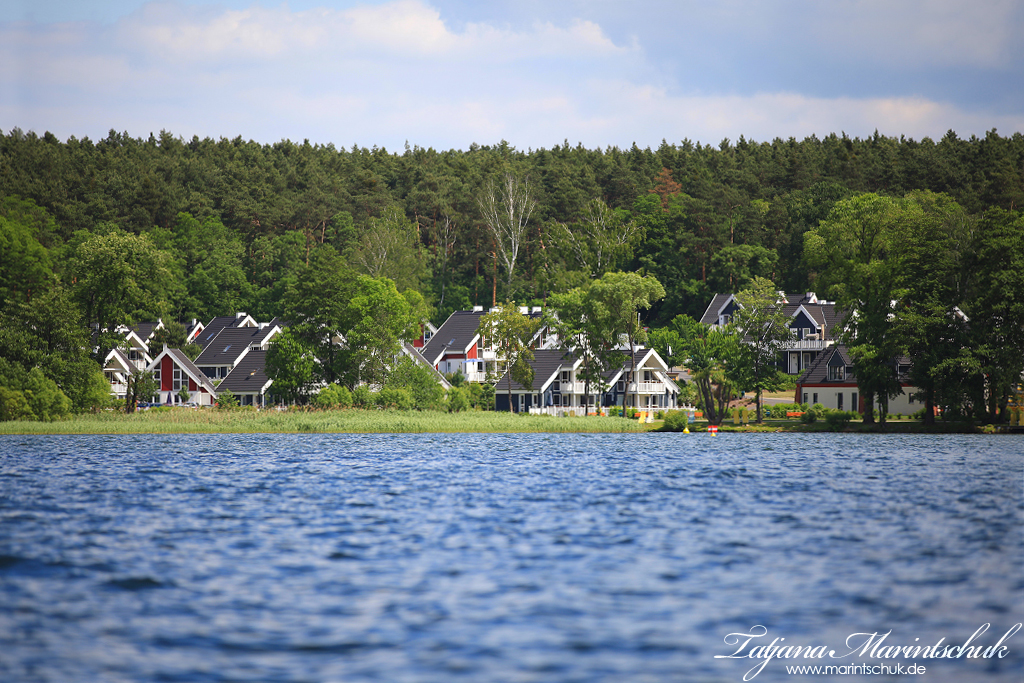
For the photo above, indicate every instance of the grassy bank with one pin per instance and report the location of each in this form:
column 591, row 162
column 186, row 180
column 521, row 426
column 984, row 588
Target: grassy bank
column 208, row 421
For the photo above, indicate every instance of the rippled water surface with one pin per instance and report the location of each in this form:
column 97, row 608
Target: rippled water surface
column 498, row 557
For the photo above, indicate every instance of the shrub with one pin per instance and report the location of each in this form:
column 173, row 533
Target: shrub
column 226, row 400
column 333, row 396
column 676, row 421
column 362, row 397
column 458, row 399
column 809, row 416
column 838, row 419
column 30, row 395
column 398, row 398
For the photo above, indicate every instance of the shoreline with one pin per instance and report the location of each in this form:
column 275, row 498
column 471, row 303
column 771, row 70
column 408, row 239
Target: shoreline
column 192, row 421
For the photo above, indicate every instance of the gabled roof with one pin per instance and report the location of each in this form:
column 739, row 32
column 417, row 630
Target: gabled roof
column 413, row 353
column 546, row 364
column 457, row 335
column 817, row 372
column 211, row 330
column 145, row 330
column 232, row 343
column 718, row 302
column 186, row 364
column 644, row 358
column 117, row 360
column 249, row 376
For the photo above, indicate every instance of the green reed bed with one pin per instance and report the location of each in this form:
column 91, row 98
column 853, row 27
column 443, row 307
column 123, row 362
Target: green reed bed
column 209, row 421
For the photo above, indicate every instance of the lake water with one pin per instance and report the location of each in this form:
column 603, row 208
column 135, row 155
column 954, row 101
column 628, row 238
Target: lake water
column 503, row 557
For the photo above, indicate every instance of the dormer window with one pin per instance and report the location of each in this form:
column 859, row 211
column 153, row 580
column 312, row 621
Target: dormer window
column 836, row 373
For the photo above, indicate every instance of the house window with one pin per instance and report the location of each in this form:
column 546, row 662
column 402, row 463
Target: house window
column 480, row 367
column 522, row 403
column 177, row 378
column 853, row 401
column 910, row 399
column 156, row 374
column 836, row 373
column 805, row 398
column 565, row 375
column 815, row 398
column 839, row 401
column 647, row 376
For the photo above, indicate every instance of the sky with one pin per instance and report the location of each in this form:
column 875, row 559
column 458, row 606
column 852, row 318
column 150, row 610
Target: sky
column 536, row 73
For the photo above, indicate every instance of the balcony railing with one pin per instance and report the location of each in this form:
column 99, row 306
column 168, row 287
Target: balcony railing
column 806, row 344
column 647, row 387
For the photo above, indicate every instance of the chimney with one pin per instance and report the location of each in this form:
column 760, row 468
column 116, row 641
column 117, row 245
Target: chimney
column 478, row 309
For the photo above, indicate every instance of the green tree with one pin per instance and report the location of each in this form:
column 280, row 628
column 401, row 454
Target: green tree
column 709, row 352
column 510, row 333
column 141, row 386
column 585, row 330
column 389, row 247
column 763, row 327
column 28, row 394
column 379, row 319
column 119, row 278
column 855, row 253
column 622, row 296
column 317, row 307
column 48, row 332
column 291, row 365
column 600, row 240
column 175, row 336
column 25, row 266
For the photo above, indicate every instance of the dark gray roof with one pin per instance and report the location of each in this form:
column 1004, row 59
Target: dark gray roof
column 186, row 363
column 545, row 363
column 214, row 327
column 455, row 334
column 230, row 343
column 249, row 376
column 821, row 312
column 145, row 330
column 414, row 353
column 817, row 372
column 710, row 316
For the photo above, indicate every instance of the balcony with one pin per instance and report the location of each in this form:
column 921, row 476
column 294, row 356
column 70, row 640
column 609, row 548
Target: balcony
column 647, row 388
column 806, row 344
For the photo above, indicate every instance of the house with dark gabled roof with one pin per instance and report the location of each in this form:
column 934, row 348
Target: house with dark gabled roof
column 458, row 346
column 210, row 331
column 117, row 368
column 814, row 323
column 554, row 385
column 231, row 344
column 173, row 370
column 650, row 389
column 559, row 388
column 830, row 381
column 455, row 347
column 248, row 379
column 146, row 330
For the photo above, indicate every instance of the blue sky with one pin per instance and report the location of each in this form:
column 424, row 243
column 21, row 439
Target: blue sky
column 449, row 73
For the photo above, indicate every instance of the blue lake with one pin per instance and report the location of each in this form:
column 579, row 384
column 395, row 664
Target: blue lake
column 502, row 557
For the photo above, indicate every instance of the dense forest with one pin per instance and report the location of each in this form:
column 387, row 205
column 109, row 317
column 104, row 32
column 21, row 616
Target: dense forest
column 127, row 229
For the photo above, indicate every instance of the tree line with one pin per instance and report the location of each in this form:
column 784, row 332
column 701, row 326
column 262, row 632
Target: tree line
column 127, row 229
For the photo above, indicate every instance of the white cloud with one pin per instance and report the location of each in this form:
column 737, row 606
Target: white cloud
column 383, row 74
